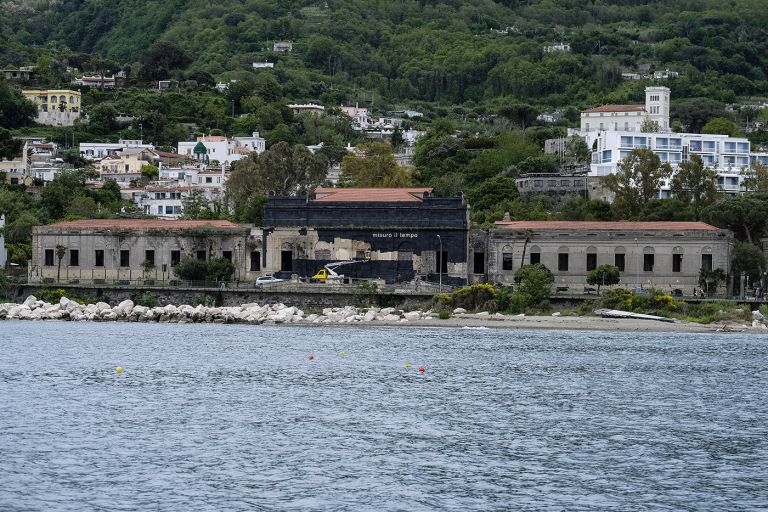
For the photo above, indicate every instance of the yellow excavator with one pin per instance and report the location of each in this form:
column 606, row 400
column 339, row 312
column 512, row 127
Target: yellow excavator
column 328, row 273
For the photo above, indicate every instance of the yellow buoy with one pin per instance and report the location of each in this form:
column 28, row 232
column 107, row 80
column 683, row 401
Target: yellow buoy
column 119, row 370
column 342, row 353
column 407, row 365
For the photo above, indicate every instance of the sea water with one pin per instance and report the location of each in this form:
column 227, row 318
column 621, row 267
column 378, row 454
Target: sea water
column 231, row 417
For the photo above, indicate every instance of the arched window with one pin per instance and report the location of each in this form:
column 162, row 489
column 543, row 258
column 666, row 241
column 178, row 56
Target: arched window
column 591, row 258
column 620, row 258
column 648, row 258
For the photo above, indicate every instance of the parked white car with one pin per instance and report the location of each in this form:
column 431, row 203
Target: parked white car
column 267, row 280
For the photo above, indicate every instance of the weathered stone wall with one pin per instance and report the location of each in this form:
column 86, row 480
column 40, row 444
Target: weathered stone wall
column 194, row 296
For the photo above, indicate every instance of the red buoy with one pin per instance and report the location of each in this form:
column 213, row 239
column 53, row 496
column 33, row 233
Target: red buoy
column 422, row 369
column 311, row 358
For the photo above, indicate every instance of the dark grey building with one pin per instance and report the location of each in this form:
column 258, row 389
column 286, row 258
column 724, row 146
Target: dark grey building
column 400, row 234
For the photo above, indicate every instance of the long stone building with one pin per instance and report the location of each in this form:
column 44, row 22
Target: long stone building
column 130, row 250
column 664, row 255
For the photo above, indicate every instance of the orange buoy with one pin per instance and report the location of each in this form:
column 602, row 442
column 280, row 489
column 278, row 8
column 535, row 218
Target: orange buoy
column 422, row 369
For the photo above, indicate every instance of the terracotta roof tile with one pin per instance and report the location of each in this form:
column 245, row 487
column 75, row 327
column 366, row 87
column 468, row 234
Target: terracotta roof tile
column 360, row 195
column 616, row 108
column 144, row 224
column 604, row 226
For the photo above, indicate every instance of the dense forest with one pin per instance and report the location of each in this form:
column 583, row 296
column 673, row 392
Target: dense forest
column 478, row 54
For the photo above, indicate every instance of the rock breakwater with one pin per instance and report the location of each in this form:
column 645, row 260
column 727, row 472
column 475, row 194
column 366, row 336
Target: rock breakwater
column 127, row 311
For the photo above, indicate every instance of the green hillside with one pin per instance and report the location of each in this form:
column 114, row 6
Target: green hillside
column 476, row 54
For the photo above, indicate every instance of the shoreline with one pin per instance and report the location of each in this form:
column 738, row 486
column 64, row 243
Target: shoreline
column 276, row 314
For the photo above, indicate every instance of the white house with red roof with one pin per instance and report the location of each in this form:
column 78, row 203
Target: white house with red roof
column 629, row 118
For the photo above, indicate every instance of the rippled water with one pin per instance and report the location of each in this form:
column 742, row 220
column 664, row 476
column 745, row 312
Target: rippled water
column 219, row 417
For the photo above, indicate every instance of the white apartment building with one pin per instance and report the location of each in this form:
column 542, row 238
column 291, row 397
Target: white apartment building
column 728, row 156
column 100, row 150
column 628, row 118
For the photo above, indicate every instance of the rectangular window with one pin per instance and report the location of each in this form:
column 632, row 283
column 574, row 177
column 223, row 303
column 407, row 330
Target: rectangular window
column 125, row 258
column 286, row 261
column 647, row 262
column 535, row 258
column 677, row 262
column 149, row 256
column 478, row 266
column 706, row 262
column 201, row 255
column 591, row 261
column 441, row 262
column 507, row 261
column 255, row 261
column 74, row 257
column 175, row 258
column 227, row 255
column 160, row 210
column 49, row 257
column 98, row 258
column 562, row 262
column 169, row 210
column 618, row 261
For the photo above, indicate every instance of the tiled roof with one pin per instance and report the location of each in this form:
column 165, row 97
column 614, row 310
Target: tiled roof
column 604, row 226
column 143, row 224
column 361, row 195
column 165, row 154
column 616, row 108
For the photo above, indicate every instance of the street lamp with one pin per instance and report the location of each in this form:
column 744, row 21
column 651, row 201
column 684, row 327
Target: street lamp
column 440, row 264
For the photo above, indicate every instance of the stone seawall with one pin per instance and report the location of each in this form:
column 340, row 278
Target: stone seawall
column 235, row 297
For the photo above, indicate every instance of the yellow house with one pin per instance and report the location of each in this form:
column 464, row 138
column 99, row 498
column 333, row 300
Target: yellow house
column 55, row 107
column 128, row 161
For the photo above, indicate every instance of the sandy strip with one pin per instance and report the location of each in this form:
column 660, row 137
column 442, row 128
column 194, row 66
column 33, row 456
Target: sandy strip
column 586, row 323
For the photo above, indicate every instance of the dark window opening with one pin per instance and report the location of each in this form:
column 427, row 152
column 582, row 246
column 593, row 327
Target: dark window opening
column 74, row 257
column 706, row 262
column 149, row 256
column 359, row 255
column 441, row 262
column 562, row 262
column 49, row 257
column 227, row 255
column 255, row 261
column 618, row 261
column 507, row 261
column 677, row 262
column 535, row 258
column 591, row 261
column 478, row 266
column 99, row 257
column 286, row 261
column 647, row 262
column 175, row 258
column 125, row 258
column 201, row 255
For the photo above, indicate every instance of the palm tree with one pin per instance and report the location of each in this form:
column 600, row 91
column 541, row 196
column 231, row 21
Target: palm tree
column 60, row 251
column 528, row 233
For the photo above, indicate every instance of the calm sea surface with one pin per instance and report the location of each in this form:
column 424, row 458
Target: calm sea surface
column 220, row 417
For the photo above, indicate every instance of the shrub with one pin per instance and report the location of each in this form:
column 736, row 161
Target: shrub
column 220, row 269
column 146, row 299
column 473, row 297
column 444, row 315
column 535, row 282
column 191, row 269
